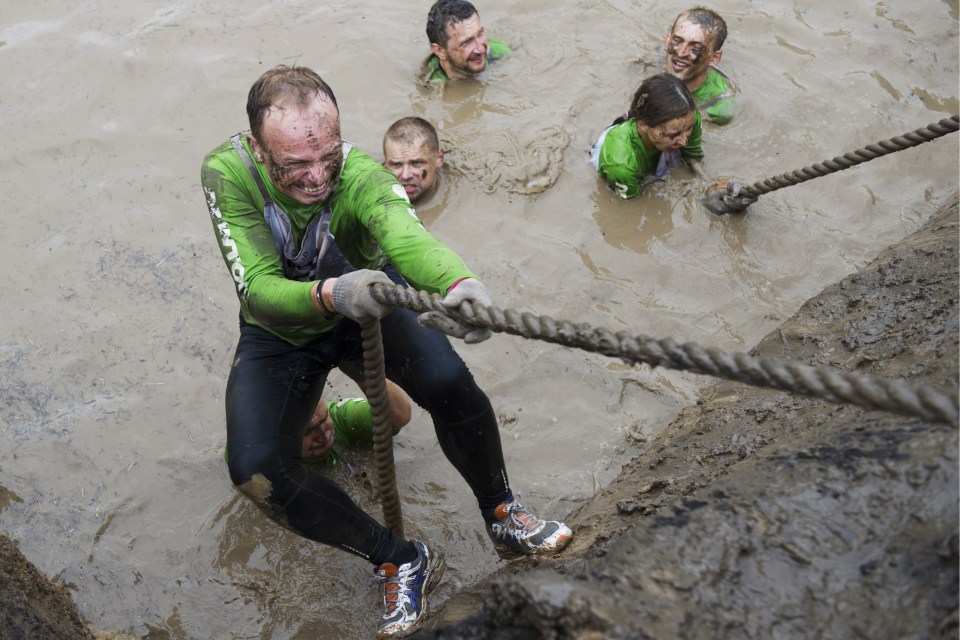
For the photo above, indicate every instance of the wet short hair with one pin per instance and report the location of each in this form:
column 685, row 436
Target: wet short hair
column 302, row 83
column 410, row 130
column 444, row 13
column 710, row 21
column 659, row 99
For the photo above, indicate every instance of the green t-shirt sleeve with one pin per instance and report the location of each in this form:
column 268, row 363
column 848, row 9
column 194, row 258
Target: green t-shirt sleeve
column 624, row 161
column 722, row 111
column 434, row 71
column 693, row 149
column 372, row 217
column 715, row 98
column 497, row 49
column 622, row 180
column 352, row 421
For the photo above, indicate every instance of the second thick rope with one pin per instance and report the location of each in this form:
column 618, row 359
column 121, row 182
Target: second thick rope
column 853, row 158
column 866, row 391
column 376, row 391
column 718, row 203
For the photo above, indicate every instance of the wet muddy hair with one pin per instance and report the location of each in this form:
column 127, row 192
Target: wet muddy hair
column 411, row 130
column 659, row 99
column 710, row 21
column 444, row 13
column 283, row 80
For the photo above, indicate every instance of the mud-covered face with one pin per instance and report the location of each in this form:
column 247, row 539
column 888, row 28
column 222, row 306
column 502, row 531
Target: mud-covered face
column 301, row 149
column 318, row 438
column 690, row 52
column 671, row 135
column 466, row 52
column 415, row 166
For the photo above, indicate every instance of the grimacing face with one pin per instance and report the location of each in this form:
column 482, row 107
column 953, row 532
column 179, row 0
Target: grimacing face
column 301, row 149
column 318, row 438
column 466, row 52
column 415, row 166
column 690, row 52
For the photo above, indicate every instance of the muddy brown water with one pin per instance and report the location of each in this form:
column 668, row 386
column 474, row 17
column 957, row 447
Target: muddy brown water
column 120, row 319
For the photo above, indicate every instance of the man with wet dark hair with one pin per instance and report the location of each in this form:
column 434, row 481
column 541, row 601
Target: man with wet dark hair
column 694, row 48
column 459, row 45
column 412, row 152
column 307, row 224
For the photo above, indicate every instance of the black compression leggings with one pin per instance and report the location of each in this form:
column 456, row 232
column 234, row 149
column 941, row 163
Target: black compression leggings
column 271, row 394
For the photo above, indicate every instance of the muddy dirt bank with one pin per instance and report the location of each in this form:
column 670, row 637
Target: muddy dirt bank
column 755, row 514
column 761, row 515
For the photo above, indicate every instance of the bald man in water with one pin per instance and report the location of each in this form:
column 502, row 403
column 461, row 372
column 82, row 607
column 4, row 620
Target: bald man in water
column 412, row 152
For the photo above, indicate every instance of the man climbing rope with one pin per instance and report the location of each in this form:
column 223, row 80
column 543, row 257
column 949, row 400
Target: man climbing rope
column 307, row 223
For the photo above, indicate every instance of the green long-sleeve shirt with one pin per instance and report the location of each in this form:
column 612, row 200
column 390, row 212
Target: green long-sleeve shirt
column 371, row 219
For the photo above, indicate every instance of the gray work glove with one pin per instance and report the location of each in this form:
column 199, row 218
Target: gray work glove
column 733, row 199
column 352, row 296
column 724, row 198
column 469, row 289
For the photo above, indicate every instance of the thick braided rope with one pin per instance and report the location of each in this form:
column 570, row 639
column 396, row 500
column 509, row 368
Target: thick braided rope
column 847, row 160
column 870, row 392
column 376, row 391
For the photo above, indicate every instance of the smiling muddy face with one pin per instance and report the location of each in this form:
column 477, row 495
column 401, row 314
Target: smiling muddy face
column 301, row 147
column 465, row 53
column 690, row 51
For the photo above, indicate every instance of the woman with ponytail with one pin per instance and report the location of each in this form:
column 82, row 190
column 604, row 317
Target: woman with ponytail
column 661, row 129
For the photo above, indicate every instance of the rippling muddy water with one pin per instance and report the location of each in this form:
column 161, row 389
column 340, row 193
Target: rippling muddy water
column 120, row 318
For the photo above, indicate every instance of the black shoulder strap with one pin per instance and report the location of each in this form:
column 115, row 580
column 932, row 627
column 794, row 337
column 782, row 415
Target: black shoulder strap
column 238, row 147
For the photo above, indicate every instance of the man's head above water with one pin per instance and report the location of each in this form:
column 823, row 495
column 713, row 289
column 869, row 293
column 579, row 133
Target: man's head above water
column 295, row 132
column 694, row 45
column 411, row 150
column 457, row 38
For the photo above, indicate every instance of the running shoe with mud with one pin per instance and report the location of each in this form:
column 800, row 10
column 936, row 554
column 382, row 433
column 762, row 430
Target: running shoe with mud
column 405, row 591
column 517, row 529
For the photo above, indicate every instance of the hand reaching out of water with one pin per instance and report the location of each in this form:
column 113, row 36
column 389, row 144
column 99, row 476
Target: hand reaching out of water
column 732, row 196
column 697, row 167
column 725, row 197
